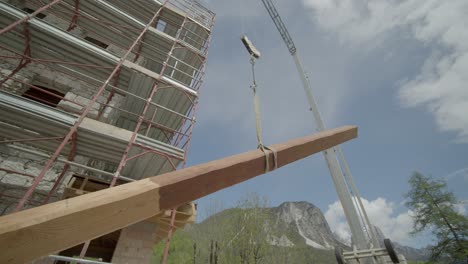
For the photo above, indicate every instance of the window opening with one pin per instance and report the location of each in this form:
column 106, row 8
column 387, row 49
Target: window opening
column 45, row 95
column 97, row 42
column 30, row 11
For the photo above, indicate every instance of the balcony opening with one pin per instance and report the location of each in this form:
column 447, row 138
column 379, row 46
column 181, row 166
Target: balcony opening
column 44, row 95
column 30, row 11
column 97, row 42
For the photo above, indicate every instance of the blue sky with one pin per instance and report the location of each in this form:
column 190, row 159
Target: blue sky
column 397, row 69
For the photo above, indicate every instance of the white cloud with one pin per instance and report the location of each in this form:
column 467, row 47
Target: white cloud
column 441, row 86
column 381, row 214
column 337, row 221
column 461, row 207
column 463, row 173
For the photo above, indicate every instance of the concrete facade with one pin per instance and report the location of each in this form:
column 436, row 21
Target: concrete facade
column 74, row 78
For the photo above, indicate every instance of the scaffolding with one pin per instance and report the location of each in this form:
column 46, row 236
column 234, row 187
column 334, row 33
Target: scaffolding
column 125, row 78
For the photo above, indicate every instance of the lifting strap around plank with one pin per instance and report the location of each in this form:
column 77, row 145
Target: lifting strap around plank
column 258, row 123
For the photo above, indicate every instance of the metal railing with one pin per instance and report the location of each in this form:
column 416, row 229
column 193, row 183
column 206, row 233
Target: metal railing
column 195, row 11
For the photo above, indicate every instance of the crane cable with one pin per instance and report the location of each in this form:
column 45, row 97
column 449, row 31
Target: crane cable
column 258, row 124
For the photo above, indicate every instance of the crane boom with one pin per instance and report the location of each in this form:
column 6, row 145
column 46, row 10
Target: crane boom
column 280, row 26
column 346, row 190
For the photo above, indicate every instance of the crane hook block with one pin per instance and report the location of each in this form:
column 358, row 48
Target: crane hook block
column 250, row 47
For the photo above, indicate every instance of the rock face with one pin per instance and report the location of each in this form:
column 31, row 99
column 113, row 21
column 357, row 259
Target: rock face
column 299, row 223
column 302, row 220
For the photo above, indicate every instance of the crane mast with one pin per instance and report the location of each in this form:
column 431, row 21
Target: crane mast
column 347, row 192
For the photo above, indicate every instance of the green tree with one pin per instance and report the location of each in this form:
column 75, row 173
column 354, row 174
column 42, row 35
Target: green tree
column 247, row 232
column 433, row 207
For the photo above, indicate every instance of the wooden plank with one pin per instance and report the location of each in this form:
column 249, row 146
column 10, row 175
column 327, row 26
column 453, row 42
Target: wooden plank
column 32, row 233
column 184, row 213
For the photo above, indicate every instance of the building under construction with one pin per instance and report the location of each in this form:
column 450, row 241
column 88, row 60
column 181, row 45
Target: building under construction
column 96, row 94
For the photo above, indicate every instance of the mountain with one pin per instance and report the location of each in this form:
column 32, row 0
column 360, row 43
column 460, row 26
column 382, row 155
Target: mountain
column 409, row 252
column 307, row 221
column 419, row 254
column 294, row 232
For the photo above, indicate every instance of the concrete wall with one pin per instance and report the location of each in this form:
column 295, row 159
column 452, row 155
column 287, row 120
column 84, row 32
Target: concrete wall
column 136, row 244
column 14, row 185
